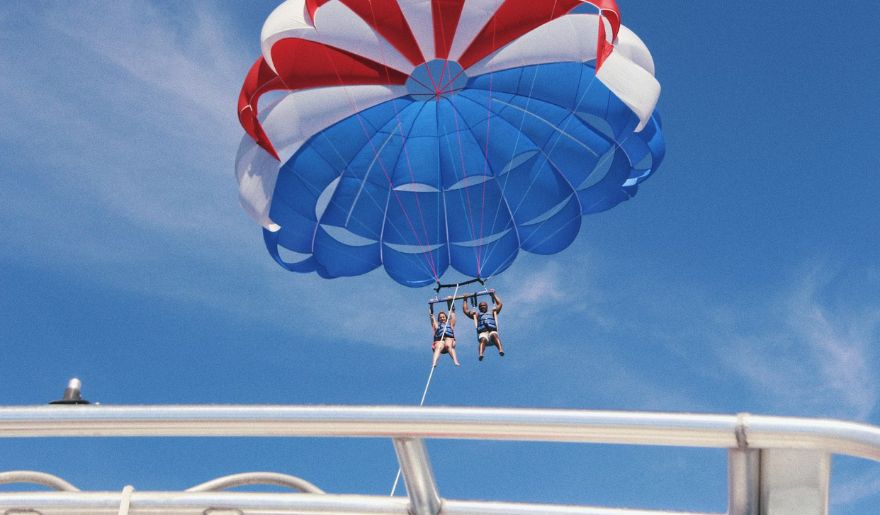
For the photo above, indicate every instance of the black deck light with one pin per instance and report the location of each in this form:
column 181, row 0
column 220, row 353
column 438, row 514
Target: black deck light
column 72, row 394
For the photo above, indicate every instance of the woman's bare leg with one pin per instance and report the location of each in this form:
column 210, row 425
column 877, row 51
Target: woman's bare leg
column 451, row 346
column 438, row 347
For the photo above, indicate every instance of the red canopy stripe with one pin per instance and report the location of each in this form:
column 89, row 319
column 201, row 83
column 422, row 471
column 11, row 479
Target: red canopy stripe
column 517, row 17
column 260, row 79
column 386, row 18
column 445, row 14
column 303, row 64
column 609, row 10
column 513, row 19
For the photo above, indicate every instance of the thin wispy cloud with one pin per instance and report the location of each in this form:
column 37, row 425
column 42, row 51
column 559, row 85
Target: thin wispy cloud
column 123, row 115
column 803, row 355
column 132, row 108
column 799, row 352
column 562, row 286
column 855, row 489
column 193, row 61
column 841, row 344
column 541, row 286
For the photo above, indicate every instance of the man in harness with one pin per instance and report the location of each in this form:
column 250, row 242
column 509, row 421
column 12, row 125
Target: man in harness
column 487, row 325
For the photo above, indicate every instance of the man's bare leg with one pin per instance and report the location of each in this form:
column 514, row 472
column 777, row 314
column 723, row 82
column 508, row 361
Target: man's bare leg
column 497, row 339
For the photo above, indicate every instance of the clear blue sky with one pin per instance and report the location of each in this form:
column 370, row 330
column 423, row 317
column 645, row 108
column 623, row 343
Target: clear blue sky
column 745, row 276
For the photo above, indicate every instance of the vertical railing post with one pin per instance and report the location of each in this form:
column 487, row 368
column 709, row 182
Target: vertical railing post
column 744, row 481
column 418, row 476
column 743, row 473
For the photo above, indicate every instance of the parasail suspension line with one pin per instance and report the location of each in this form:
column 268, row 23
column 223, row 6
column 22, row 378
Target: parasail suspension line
column 421, row 403
column 427, row 385
column 451, row 303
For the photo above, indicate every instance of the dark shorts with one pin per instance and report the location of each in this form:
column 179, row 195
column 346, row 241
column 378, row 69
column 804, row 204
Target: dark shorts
column 434, row 347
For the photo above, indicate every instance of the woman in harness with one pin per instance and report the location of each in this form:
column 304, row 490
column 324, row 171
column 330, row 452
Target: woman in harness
column 487, row 325
column 444, row 336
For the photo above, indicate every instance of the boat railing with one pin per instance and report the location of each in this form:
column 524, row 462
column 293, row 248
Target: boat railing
column 776, row 465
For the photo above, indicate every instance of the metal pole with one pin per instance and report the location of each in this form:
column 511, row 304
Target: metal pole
column 609, row 427
column 458, row 297
column 417, row 474
column 744, row 481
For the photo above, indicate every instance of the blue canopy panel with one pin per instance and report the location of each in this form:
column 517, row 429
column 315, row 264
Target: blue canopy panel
column 505, row 161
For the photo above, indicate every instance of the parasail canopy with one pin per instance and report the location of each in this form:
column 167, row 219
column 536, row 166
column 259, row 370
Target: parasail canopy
column 427, row 135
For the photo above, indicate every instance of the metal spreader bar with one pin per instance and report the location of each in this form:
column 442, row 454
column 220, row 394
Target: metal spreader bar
column 458, row 285
column 452, row 298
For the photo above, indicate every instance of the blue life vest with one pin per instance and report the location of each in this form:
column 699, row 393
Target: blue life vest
column 439, row 333
column 486, row 322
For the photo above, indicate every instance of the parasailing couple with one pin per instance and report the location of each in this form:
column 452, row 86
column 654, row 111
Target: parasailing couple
column 486, row 323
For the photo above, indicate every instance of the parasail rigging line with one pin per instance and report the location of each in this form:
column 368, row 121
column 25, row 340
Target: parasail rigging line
column 474, row 237
column 369, row 195
column 462, row 191
column 513, row 150
column 444, row 49
column 429, row 258
column 431, row 267
column 486, row 169
column 463, row 197
column 546, row 153
column 445, row 54
column 421, row 403
column 519, row 134
column 478, row 251
column 361, row 189
column 450, row 301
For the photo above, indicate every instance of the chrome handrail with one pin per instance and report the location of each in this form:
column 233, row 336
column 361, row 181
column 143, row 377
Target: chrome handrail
column 760, row 447
column 609, row 427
